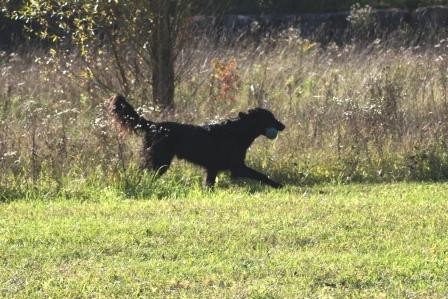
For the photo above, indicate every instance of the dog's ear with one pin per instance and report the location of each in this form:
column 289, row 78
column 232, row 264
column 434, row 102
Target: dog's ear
column 242, row 115
column 254, row 110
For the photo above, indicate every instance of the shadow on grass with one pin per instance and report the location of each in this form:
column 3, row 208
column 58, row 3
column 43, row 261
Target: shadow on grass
column 177, row 184
column 10, row 194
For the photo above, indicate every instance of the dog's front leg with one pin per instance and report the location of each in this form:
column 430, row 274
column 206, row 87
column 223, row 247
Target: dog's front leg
column 247, row 172
column 210, row 177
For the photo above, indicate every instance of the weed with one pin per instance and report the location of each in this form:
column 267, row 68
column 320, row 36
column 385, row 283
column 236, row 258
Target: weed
column 353, row 113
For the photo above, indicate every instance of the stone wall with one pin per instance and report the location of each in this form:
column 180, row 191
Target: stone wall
column 336, row 25
column 331, row 26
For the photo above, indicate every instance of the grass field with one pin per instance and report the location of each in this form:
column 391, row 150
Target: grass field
column 354, row 241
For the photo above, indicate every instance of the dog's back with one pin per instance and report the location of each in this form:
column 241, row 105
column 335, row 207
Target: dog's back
column 203, row 145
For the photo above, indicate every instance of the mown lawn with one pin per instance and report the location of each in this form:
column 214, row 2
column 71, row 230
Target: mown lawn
column 324, row 241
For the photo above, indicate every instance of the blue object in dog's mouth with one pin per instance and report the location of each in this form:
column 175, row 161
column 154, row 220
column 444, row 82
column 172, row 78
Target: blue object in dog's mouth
column 271, row 133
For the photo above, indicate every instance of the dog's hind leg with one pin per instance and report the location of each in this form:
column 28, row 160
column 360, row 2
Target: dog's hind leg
column 247, row 172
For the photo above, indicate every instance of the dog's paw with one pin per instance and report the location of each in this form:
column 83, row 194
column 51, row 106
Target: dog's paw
column 277, row 185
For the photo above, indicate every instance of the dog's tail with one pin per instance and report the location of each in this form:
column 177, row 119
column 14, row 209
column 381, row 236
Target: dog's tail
column 125, row 115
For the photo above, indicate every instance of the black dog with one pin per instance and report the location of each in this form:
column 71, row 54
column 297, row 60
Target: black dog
column 215, row 147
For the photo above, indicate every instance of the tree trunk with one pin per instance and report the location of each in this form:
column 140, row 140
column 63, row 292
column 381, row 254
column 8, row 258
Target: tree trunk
column 163, row 42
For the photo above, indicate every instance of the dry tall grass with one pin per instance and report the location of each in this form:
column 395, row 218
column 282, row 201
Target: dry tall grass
column 353, row 113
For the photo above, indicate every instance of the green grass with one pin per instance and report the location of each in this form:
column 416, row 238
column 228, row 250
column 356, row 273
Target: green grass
column 323, row 241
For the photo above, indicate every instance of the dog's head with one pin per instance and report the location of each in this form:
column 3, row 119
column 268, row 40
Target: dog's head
column 264, row 122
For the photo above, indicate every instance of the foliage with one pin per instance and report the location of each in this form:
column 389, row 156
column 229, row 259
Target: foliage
column 361, row 20
column 224, row 81
column 115, row 39
column 97, row 29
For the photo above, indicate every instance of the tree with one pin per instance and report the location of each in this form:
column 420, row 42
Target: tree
column 163, row 40
column 125, row 44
